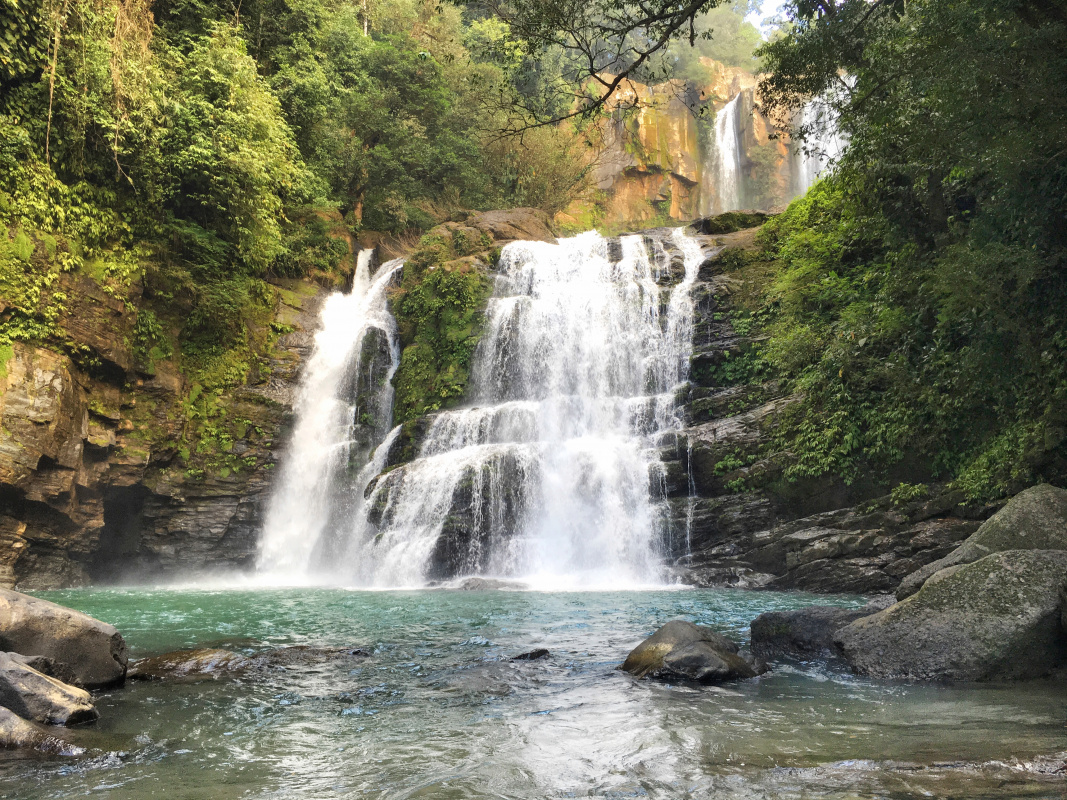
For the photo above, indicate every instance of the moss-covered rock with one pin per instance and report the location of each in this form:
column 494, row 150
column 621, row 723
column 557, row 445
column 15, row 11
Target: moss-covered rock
column 1035, row 519
column 440, row 310
column 998, row 618
column 730, row 222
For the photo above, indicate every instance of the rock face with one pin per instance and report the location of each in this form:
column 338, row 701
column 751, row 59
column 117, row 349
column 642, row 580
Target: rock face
column 661, row 160
column 734, row 520
column 998, row 618
column 1035, row 519
column 806, row 633
column 34, row 696
column 683, row 651
column 95, row 481
column 92, row 652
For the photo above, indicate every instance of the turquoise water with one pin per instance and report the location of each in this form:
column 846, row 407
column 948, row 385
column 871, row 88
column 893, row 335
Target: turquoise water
column 439, row 712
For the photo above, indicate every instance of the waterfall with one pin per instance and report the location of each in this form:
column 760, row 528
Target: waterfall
column 343, row 407
column 550, row 476
column 728, row 178
column 822, row 146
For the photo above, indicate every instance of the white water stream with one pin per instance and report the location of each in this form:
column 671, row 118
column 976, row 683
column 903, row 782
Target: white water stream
column 551, row 475
column 728, row 178
column 306, row 497
column 822, row 147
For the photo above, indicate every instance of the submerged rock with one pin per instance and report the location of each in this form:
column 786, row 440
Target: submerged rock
column 216, row 663
column 35, row 696
column 805, row 632
column 533, row 655
column 203, row 662
column 681, row 650
column 16, row 732
column 489, row 584
column 1035, row 519
column 997, row 618
column 92, row 652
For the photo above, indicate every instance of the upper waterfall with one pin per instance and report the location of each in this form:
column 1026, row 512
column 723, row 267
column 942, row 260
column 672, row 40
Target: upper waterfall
column 822, row 147
column 551, row 475
column 729, row 180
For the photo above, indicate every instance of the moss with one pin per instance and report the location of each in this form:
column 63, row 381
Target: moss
column 730, row 222
column 7, row 352
column 440, row 312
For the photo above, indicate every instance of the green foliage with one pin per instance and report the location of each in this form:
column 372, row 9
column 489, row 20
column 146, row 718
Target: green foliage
column 7, row 352
column 904, row 493
column 918, row 306
column 440, row 309
column 150, row 341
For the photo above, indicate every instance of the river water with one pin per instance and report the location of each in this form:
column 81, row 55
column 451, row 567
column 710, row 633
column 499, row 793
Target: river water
column 439, row 711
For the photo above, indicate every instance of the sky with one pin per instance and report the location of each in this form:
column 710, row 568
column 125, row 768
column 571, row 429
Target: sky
column 767, row 10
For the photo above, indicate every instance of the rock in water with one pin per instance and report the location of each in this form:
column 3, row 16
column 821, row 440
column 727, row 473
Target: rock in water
column 209, row 662
column 681, row 650
column 533, row 655
column 92, row 651
column 804, row 633
column 1032, row 520
column 17, row 732
column 202, row 663
column 997, row 618
column 33, row 695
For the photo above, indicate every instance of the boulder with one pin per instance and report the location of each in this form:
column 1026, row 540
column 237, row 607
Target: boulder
column 681, row 650
column 93, row 652
column 33, row 695
column 806, row 633
column 17, row 732
column 998, row 618
column 1035, row 519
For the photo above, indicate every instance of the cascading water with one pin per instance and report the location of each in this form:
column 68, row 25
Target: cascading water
column 343, row 408
column 822, row 147
column 548, row 477
column 728, row 178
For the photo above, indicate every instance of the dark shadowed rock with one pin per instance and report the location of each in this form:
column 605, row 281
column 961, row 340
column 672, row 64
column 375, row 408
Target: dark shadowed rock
column 1035, row 519
column 681, row 650
column 533, row 655
column 47, row 666
column 33, row 695
column 998, row 618
column 92, row 651
column 807, row 632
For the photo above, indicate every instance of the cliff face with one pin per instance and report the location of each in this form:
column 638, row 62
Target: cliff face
column 107, row 469
column 662, row 160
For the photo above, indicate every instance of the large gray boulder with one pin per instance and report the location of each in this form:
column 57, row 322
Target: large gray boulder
column 681, row 650
column 806, row 633
column 93, row 652
column 998, row 618
column 33, row 695
column 1035, row 519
